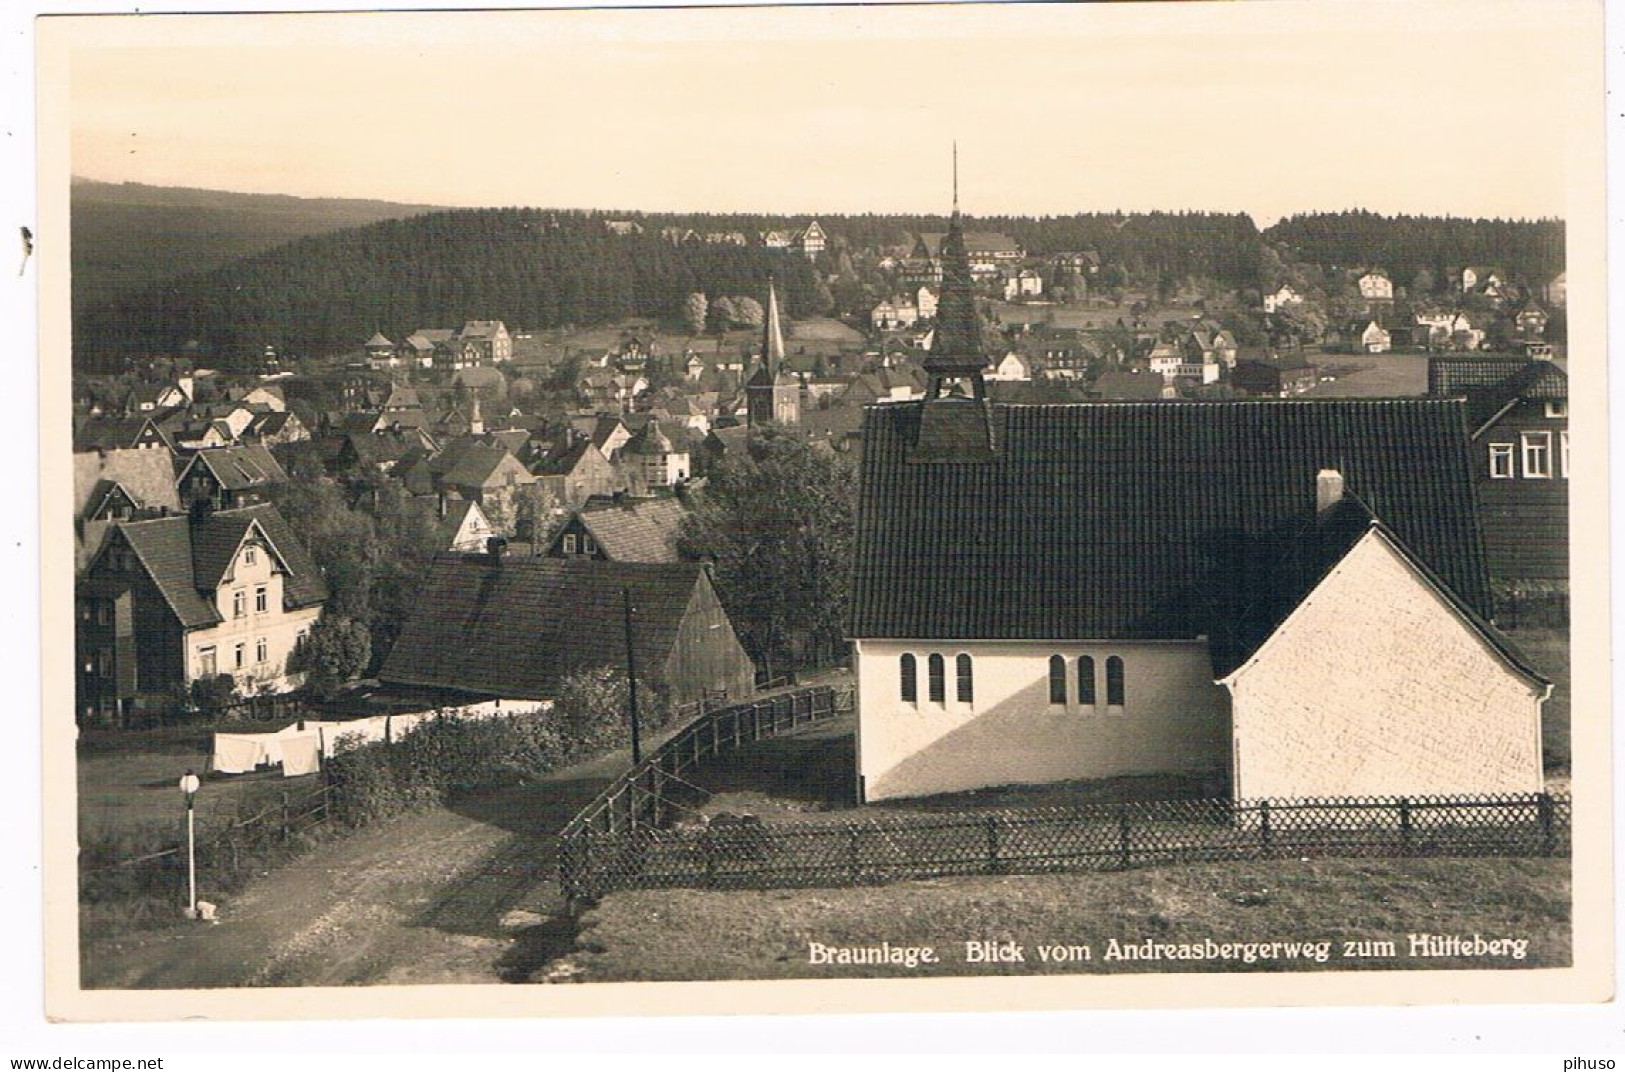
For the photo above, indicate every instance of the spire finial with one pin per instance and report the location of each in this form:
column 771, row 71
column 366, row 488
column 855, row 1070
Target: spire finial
column 956, row 174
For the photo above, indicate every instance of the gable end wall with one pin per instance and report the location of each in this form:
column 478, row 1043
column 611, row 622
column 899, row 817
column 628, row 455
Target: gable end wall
column 1375, row 687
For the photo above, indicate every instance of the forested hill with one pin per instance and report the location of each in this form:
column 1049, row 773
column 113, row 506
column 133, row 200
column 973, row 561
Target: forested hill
column 327, row 293
column 1530, row 251
column 127, row 236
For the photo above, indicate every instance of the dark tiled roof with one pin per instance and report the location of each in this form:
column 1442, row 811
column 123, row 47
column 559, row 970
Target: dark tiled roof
column 238, row 468
column 1534, row 381
column 639, row 530
column 516, row 627
column 148, row 476
column 1141, row 520
column 479, row 465
column 187, row 558
column 1453, row 377
column 561, row 462
column 1305, row 563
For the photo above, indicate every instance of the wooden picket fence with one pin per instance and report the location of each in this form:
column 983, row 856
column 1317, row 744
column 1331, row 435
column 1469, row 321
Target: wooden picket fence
column 642, row 794
column 736, row 852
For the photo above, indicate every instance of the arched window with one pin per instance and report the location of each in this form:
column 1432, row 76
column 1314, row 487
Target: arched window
column 1086, row 680
column 1057, row 680
column 1114, row 682
column 962, row 673
column 936, row 678
column 910, row 690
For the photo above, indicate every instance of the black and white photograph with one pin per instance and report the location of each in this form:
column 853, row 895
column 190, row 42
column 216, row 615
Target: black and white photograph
column 1071, row 501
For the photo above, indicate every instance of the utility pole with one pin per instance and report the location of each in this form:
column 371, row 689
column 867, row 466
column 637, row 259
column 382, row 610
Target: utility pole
column 631, row 678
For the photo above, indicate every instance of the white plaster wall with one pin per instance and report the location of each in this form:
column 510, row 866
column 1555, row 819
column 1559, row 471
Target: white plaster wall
column 1375, row 687
column 1175, row 719
column 280, row 629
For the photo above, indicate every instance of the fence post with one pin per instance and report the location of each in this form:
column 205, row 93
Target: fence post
column 1264, row 823
column 991, row 824
column 1124, row 850
column 1405, row 824
column 1548, row 837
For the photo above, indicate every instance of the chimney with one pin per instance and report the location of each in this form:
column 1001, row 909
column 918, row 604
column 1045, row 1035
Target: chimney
column 1328, row 489
column 494, row 546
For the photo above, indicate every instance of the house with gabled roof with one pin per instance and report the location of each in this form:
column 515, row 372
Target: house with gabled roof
column 124, row 433
column 1376, row 286
column 1286, row 598
column 464, row 526
column 114, row 486
column 228, row 477
column 629, row 530
column 575, row 471
column 1518, row 425
column 172, row 600
column 516, row 628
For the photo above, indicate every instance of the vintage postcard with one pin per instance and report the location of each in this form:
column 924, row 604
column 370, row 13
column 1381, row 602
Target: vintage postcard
column 791, row 509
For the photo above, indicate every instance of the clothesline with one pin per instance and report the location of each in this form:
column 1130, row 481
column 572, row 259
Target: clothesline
column 300, row 747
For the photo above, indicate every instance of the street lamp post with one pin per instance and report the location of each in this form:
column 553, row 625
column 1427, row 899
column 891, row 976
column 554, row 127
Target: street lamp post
column 189, row 786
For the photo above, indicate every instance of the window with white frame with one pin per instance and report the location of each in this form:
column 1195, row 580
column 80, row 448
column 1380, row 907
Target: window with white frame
column 237, row 651
column 239, row 603
column 569, row 543
column 261, row 601
column 1537, row 455
column 1501, row 461
column 1557, row 408
column 206, row 666
column 1563, row 453
column 262, row 650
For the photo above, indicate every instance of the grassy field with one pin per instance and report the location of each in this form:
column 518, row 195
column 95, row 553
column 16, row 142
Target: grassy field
column 1371, row 375
column 1548, row 649
column 692, row 934
column 127, row 781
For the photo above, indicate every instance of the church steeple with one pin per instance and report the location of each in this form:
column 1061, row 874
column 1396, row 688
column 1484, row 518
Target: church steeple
column 772, row 334
column 956, row 345
column 956, row 420
column 772, row 393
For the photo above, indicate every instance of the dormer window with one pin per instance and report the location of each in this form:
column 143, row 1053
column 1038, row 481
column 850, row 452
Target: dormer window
column 1557, row 409
column 249, row 557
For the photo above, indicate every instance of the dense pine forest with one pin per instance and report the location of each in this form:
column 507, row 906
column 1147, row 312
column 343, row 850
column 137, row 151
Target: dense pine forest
column 526, row 267
column 323, row 294
column 1529, row 251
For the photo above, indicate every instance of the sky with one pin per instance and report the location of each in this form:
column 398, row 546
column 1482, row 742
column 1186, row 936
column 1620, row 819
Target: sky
column 1267, row 108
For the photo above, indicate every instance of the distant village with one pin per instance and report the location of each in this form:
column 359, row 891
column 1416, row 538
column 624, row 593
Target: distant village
column 567, row 460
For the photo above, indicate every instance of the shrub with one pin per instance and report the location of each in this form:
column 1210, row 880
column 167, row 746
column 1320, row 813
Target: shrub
column 592, row 709
column 214, row 694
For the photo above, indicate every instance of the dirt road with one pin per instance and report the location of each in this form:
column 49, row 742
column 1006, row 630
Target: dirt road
column 463, row 895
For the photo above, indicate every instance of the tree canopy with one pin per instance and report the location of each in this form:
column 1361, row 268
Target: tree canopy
column 777, row 524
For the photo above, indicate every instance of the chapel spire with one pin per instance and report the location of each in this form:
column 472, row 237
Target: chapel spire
column 772, row 333
column 773, row 394
column 956, row 345
column 956, row 421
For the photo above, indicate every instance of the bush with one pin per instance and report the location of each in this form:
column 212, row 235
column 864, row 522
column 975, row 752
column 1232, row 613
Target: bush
column 592, row 709
column 337, row 650
column 443, row 759
column 214, row 694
